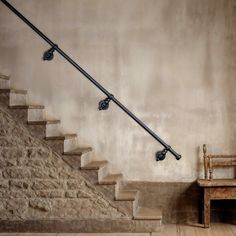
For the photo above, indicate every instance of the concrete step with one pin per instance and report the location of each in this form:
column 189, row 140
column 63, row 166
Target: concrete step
column 62, row 143
column 111, row 179
column 46, row 128
column 126, row 195
column 4, row 82
column 13, row 97
column 144, row 213
column 30, row 112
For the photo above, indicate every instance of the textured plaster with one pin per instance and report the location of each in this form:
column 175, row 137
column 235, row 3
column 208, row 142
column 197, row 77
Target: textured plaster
column 171, row 62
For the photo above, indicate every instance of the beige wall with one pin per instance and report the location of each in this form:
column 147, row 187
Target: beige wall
column 172, row 62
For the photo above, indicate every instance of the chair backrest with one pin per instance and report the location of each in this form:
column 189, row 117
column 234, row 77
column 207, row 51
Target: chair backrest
column 210, row 161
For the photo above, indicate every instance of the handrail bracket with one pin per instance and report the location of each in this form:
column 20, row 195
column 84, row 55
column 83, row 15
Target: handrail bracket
column 49, row 54
column 104, row 104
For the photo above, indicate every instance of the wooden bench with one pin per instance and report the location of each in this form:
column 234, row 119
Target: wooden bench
column 216, row 189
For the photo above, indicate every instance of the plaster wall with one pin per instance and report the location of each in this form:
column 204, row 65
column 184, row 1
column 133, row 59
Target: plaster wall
column 170, row 62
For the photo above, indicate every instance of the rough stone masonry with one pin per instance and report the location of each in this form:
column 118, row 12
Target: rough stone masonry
column 35, row 183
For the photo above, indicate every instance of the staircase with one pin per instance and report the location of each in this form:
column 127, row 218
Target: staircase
column 81, row 158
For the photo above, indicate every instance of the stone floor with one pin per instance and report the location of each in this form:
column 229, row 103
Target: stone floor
column 169, row 230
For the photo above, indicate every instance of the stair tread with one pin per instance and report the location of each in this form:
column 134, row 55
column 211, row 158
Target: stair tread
column 144, row 213
column 126, row 195
column 4, row 77
column 94, row 165
column 17, row 91
column 43, row 122
column 111, row 179
column 62, row 137
column 78, row 151
column 27, row 107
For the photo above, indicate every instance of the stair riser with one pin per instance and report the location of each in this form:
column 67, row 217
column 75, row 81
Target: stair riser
column 5, row 98
column 20, row 114
column 4, row 84
column 38, row 130
column 18, row 99
column 135, row 203
column 36, row 114
column 118, row 187
column 86, row 158
column 28, row 114
column 73, row 161
column 148, row 225
column 126, row 207
column 103, row 172
column 56, row 145
column 61, row 146
column 70, row 144
column 91, row 175
column 53, row 130
column 42, row 131
column 109, row 191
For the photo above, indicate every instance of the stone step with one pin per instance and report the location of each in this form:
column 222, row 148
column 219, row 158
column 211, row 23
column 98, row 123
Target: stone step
column 82, row 225
column 45, row 128
column 144, row 213
column 126, row 195
column 62, row 137
column 111, row 179
column 78, row 151
column 97, row 170
column 130, row 198
column 27, row 107
column 94, row 165
column 78, row 157
column 62, row 143
column 13, row 97
column 29, row 112
column 4, row 82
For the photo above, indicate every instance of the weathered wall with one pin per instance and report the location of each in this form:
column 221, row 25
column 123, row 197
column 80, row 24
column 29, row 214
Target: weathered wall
column 171, row 62
column 37, row 184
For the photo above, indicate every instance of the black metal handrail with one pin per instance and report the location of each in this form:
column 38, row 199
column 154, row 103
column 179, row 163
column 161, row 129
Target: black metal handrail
column 104, row 104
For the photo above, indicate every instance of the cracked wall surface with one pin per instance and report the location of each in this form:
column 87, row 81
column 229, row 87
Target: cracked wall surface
column 35, row 183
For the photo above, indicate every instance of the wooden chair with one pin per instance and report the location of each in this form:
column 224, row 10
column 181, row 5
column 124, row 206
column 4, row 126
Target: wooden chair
column 216, row 189
column 210, row 161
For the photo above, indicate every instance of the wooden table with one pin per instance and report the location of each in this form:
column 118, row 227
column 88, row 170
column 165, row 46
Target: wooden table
column 216, row 189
